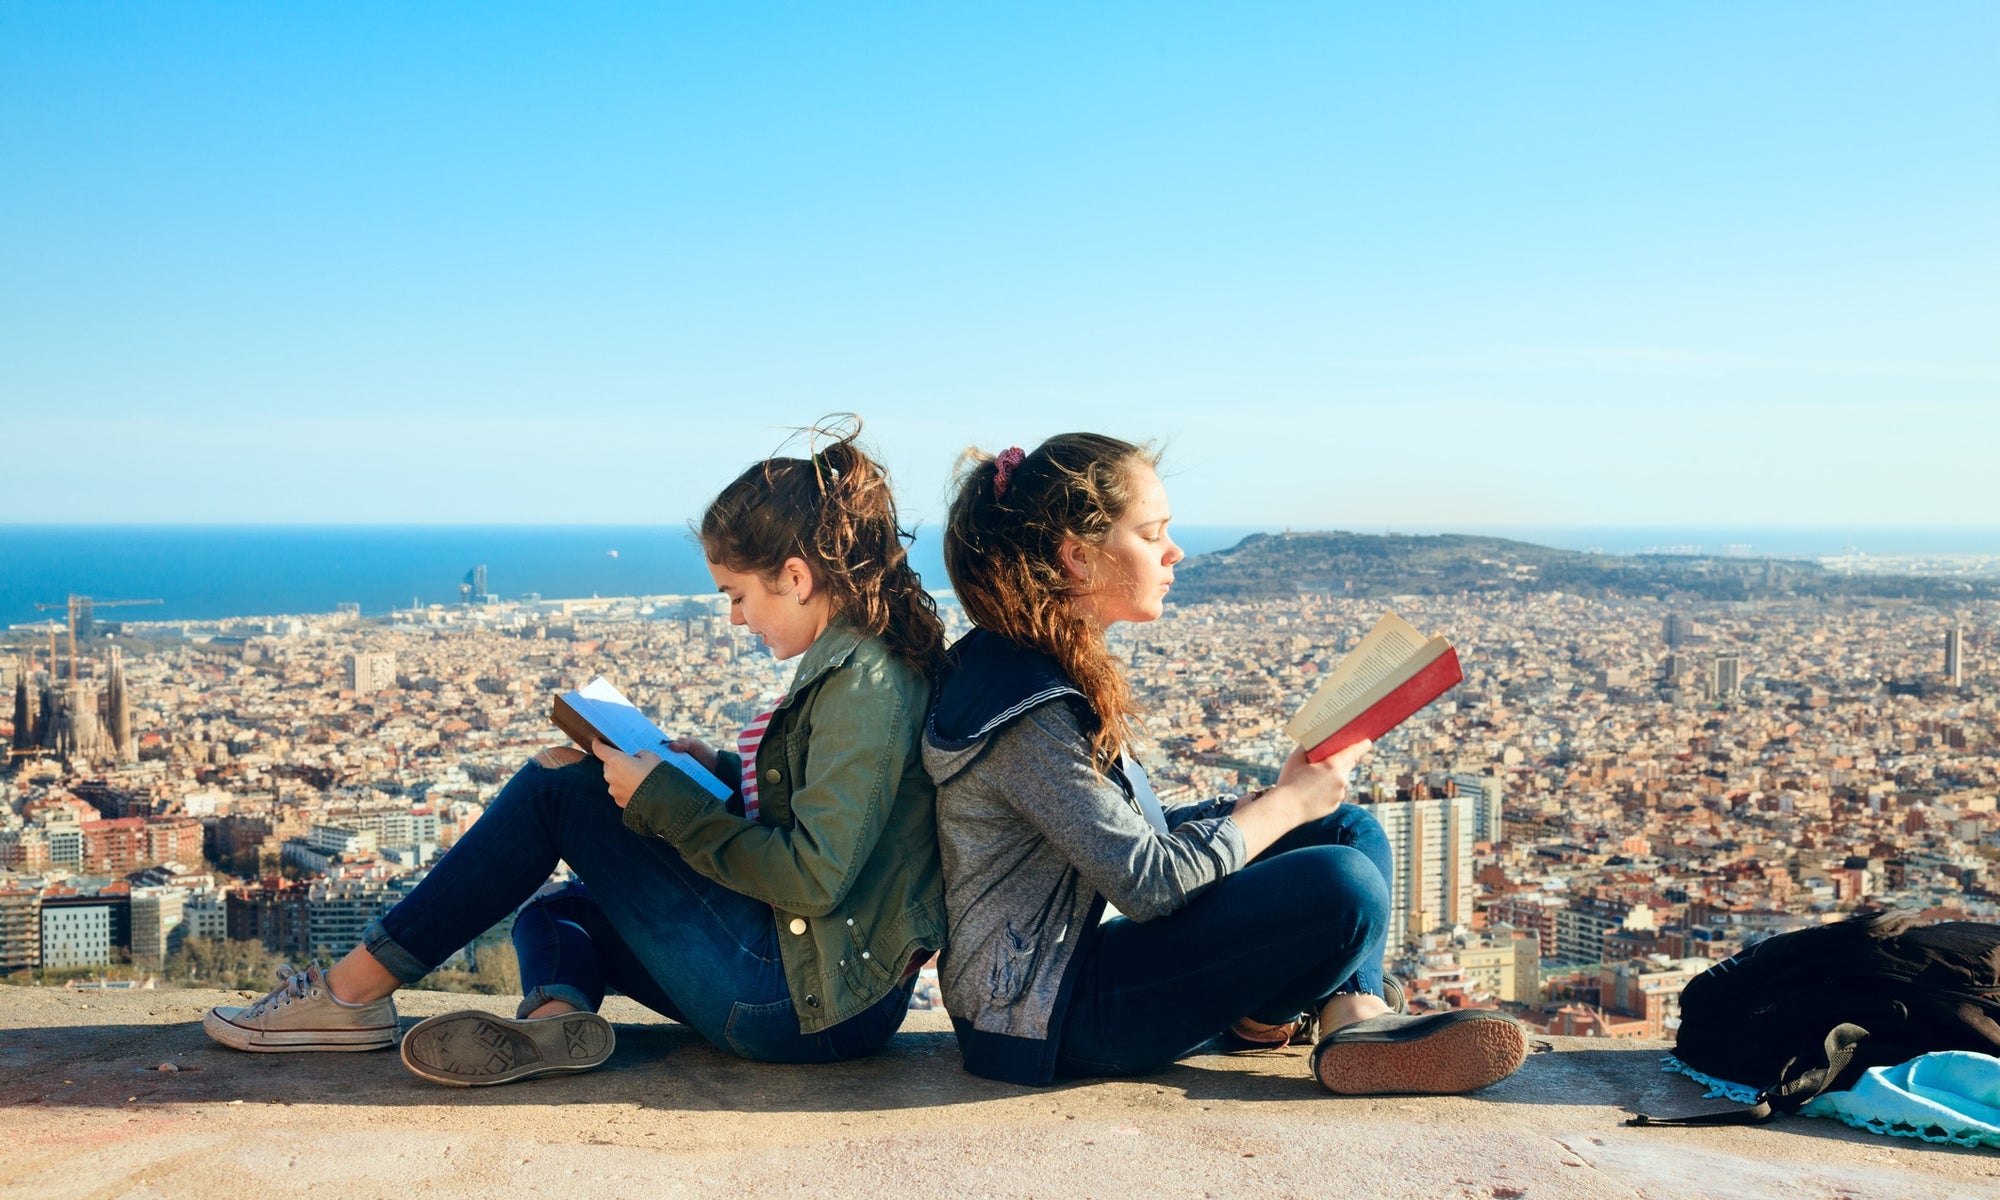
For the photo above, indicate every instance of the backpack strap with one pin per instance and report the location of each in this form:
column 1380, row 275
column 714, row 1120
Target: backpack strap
column 1804, row 1078
column 1756, row 1114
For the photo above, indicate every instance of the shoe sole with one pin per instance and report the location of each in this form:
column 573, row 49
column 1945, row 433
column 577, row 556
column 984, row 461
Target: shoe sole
column 277, row 1041
column 475, row 1049
column 1459, row 1052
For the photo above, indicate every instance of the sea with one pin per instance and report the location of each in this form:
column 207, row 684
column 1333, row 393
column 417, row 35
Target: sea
column 209, row 572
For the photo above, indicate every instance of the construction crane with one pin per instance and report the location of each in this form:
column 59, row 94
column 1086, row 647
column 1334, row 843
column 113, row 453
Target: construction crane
column 82, row 606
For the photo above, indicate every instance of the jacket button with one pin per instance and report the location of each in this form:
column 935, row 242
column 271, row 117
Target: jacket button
column 850, row 922
column 812, row 1001
column 865, row 954
column 798, row 925
column 772, row 775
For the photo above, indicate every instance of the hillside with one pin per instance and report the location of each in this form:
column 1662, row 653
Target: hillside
column 1272, row 566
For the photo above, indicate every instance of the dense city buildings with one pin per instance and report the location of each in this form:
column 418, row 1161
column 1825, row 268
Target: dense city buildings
column 1620, row 792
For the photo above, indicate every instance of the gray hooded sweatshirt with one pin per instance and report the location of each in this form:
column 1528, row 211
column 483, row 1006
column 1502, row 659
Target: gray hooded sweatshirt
column 1034, row 841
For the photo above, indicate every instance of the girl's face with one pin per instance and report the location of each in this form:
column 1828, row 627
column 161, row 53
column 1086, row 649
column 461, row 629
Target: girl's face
column 1126, row 578
column 789, row 612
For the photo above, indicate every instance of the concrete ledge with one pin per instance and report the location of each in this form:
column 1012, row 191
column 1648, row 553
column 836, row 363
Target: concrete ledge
column 87, row 1114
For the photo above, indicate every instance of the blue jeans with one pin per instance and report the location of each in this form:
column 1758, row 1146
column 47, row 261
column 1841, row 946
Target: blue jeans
column 1304, row 921
column 644, row 923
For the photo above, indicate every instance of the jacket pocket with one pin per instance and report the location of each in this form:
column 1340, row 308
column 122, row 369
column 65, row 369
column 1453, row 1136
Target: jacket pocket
column 1014, row 964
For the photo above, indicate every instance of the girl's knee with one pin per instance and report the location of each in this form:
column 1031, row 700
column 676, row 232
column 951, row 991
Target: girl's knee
column 1345, row 880
column 1355, row 821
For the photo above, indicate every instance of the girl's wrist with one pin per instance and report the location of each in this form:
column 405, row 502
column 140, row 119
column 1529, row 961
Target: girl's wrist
column 1278, row 798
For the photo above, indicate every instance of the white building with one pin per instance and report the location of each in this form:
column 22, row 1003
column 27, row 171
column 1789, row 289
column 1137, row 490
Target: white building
column 76, row 935
column 371, row 672
column 338, row 911
column 206, row 915
column 65, row 845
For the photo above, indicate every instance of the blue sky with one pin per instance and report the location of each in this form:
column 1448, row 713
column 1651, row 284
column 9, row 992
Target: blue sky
column 1357, row 265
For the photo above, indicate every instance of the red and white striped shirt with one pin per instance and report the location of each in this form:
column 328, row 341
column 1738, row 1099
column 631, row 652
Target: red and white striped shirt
column 746, row 745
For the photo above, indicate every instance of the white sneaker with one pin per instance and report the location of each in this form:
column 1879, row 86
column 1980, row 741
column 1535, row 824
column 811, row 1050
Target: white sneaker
column 302, row 1014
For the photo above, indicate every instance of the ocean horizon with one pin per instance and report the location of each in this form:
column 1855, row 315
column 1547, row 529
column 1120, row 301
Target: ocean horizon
column 210, row 572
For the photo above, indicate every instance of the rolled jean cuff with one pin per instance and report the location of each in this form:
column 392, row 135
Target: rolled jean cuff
column 573, row 997
column 406, row 967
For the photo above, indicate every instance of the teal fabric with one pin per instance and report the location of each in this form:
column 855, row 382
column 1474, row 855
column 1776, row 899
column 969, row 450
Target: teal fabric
column 1947, row 1096
column 1944, row 1096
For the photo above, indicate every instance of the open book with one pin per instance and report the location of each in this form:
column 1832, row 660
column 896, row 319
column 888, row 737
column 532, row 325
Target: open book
column 1393, row 672
column 600, row 712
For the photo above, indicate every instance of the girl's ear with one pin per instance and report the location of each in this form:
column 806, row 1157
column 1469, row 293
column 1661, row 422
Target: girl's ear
column 1075, row 558
column 800, row 577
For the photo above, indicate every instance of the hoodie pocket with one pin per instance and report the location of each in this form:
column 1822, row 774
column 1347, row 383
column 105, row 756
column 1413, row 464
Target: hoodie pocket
column 1014, row 964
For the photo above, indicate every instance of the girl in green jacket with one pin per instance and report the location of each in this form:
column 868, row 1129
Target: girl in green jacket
column 785, row 925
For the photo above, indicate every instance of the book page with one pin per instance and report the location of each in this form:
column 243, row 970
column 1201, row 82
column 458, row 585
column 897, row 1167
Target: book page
column 1389, row 650
column 624, row 726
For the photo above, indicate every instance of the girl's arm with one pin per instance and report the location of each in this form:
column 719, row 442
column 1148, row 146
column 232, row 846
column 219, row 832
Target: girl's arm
column 1305, row 791
column 1040, row 765
column 864, row 730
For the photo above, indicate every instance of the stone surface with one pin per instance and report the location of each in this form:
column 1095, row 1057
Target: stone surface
column 86, row 1112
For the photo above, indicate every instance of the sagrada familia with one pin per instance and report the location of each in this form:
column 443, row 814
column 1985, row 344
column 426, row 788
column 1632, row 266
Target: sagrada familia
column 72, row 721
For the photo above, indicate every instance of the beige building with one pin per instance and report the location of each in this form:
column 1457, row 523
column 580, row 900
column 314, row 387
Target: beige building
column 1430, row 842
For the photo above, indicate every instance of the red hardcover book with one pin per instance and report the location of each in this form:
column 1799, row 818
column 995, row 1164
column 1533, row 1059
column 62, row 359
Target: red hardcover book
column 1382, row 682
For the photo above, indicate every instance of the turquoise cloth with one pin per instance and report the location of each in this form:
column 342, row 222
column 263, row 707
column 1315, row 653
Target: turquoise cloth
column 1948, row 1096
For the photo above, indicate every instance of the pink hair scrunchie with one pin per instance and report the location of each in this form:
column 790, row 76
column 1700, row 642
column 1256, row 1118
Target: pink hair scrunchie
column 1003, row 467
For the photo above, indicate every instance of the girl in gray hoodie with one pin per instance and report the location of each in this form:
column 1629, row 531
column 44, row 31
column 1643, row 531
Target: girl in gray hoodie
column 1252, row 918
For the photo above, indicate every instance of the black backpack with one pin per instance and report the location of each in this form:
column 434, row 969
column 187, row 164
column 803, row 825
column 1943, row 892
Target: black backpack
column 1808, row 1011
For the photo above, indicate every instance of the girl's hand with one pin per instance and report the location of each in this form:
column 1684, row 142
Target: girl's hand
column 696, row 749
column 623, row 773
column 1321, row 786
column 1305, row 791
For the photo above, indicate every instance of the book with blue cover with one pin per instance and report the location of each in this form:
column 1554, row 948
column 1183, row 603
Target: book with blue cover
column 598, row 711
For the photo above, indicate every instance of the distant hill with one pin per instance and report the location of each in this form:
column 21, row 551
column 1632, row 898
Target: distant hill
column 1274, row 566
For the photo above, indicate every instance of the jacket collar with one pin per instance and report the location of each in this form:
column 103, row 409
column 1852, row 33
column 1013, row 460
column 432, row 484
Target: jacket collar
column 832, row 648
column 992, row 681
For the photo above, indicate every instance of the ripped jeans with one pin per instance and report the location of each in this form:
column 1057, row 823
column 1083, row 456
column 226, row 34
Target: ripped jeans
column 1304, row 921
column 643, row 923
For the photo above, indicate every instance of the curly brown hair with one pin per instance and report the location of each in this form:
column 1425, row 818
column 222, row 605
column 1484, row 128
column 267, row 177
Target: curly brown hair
column 834, row 511
column 1003, row 552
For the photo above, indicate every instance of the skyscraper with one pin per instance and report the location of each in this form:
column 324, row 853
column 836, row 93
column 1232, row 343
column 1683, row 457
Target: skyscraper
column 1954, row 656
column 1724, row 676
column 1486, row 792
column 1430, row 842
column 1674, row 630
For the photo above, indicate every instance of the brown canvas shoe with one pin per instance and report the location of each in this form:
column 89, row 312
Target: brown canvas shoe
column 1440, row 1054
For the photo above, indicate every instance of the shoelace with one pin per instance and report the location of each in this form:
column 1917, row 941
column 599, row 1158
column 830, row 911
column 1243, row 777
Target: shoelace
column 292, row 986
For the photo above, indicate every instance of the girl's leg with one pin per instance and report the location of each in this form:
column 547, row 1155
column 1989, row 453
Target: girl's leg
column 660, row 931
column 561, row 969
column 1349, row 825
column 567, row 938
column 569, row 953
column 1271, row 939
column 505, row 857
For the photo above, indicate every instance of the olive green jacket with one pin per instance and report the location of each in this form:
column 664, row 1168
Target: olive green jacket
column 844, row 848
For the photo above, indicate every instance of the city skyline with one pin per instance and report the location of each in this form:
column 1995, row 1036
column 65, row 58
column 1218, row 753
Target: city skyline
column 1353, row 269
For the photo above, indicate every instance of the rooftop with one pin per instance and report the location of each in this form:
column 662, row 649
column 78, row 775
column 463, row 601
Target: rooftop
column 90, row 1114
